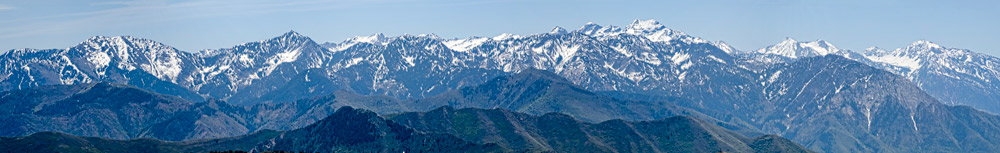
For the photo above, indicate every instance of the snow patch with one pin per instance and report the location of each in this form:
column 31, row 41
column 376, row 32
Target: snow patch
column 566, row 52
column 463, row 45
column 343, row 46
column 774, row 77
column 369, row 39
column 901, row 61
column 506, row 36
column 409, row 60
column 245, row 59
column 282, row 58
column 100, row 60
column 647, row 25
column 622, row 51
column 650, row 58
column 686, row 66
column 353, row 61
column 679, row 57
column 716, row 59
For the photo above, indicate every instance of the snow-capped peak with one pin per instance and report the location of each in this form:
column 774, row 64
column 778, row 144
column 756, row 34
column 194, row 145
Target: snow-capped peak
column 898, row 57
column 558, row 30
column 590, row 28
column 794, row 49
column 923, row 45
column 596, row 30
column 506, row 36
column 117, row 41
column 377, row 38
column 918, row 48
column 290, row 36
column 463, row 45
column 132, row 53
column 821, row 46
column 19, row 51
column 724, row 47
column 788, row 41
column 291, row 33
column 431, row 36
column 874, row 49
column 656, row 32
column 646, row 25
column 466, row 44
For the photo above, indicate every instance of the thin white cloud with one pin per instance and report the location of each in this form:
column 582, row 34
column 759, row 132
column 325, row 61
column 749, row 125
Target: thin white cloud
column 130, row 3
column 5, row 7
column 140, row 12
column 130, row 13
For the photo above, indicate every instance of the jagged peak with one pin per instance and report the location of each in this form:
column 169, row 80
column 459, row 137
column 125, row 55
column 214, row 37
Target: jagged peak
column 821, row 44
column 558, row 30
column 590, row 26
column 429, row 35
column 505, row 36
column 646, row 25
column 117, row 40
column 821, row 41
column 792, row 48
column 924, row 44
column 100, row 38
column 725, row 47
column 292, row 33
column 874, row 49
column 377, row 38
column 20, row 51
column 788, row 40
column 290, row 36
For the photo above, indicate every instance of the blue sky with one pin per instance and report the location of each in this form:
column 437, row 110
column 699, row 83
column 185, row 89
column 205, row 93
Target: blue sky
column 746, row 24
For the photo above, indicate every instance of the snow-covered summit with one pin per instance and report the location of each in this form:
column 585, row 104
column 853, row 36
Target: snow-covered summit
column 377, row 38
column 651, row 29
column 956, row 76
column 558, row 30
column 923, row 45
column 646, row 25
column 506, row 36
column 792, row 48
column 917, row 49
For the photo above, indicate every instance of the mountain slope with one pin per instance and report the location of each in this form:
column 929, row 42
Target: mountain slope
column 644, row 56
column 834, row 104
column 955, row 76
column 561, row 133
column 115, row 111
column 347, row 130
column 789, row 50
column 538, row 92
column 245, row 72
column 531, row 91
column 128, row 60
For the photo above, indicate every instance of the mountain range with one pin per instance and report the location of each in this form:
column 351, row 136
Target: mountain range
column 137, row 113
column 825, row 98
column 346, row 130
column 354, row 130
column 561, row 133
column 954, row 76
